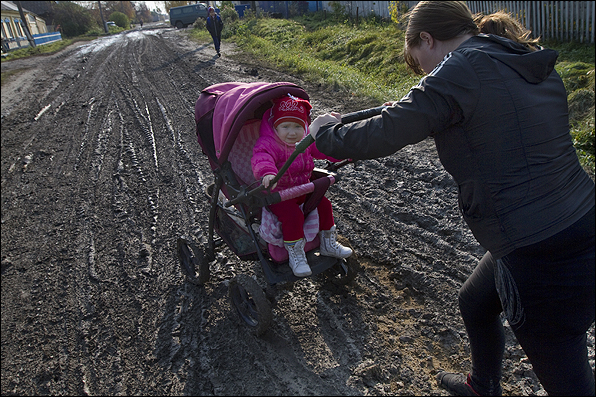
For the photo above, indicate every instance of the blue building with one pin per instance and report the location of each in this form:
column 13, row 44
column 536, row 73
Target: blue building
column 281, row 9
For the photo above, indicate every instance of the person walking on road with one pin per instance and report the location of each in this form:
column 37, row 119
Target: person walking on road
column 498, row 113
column 214, row 26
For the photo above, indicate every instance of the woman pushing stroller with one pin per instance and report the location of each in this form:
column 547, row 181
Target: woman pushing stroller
column 282, row 127
column 497, row 110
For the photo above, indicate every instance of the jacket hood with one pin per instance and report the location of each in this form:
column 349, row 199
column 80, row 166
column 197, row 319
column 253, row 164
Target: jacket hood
column 533, row 66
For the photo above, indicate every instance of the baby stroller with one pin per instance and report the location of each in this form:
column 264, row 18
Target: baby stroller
column 228, row 116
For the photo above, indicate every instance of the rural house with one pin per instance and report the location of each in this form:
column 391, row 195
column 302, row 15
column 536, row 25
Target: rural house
column 13, row 31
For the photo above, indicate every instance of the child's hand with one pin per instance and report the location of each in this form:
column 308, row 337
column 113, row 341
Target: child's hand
column 267, row 180
column 321, row 120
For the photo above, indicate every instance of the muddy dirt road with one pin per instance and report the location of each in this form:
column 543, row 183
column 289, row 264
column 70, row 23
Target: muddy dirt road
column 101, row 172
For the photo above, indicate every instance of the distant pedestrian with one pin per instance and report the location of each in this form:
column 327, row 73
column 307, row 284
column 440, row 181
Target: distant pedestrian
column 214, row 26
column 141, row 22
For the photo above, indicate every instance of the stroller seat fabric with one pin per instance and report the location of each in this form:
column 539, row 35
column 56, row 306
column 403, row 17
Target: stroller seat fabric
column 241, row 152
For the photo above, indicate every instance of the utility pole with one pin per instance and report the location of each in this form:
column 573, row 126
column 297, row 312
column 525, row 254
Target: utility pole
column 105, row 25
column 25, row 25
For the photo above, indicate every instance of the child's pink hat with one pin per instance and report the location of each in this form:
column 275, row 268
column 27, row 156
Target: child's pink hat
column 290, row 108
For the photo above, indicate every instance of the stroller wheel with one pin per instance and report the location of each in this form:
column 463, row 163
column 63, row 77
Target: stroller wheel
column 251, row 303
column 345, row 270
column 192, row 262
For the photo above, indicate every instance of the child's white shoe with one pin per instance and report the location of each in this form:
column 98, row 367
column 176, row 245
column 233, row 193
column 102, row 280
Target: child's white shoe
column 329, row 245
column 297, row 258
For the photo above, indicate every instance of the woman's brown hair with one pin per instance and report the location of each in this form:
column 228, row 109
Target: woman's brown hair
column 444, row 20
column 503, row 24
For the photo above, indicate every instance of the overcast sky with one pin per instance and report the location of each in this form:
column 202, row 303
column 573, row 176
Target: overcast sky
column 152, row 5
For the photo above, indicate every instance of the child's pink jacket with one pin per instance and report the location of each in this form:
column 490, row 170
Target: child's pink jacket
column 270, row 154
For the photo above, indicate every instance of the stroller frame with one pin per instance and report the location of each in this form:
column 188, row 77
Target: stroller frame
column 223, row 113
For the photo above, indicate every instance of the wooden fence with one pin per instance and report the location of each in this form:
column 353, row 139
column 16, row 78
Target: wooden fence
column 561, row 20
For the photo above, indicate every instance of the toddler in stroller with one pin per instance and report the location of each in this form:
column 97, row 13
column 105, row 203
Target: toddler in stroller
column 228, row 119
column 282, row 127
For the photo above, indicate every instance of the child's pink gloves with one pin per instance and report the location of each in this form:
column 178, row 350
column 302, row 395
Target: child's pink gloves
column 267, row 180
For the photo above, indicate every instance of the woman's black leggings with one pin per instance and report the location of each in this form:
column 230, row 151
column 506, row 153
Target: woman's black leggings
column 546, row 291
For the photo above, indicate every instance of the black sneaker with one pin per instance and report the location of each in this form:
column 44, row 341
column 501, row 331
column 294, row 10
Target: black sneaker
column 456, row 384
column 218, row 54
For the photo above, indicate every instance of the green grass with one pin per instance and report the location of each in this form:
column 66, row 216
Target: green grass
column 576, row 67
column 38, row 50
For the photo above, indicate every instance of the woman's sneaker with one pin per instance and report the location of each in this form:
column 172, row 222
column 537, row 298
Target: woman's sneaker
column 461, row 385
column 456, row 384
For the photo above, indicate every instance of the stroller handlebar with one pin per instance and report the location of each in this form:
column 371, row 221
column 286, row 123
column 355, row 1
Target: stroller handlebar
column 361, row 115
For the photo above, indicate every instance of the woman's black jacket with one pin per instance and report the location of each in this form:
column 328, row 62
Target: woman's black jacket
column 498, row 114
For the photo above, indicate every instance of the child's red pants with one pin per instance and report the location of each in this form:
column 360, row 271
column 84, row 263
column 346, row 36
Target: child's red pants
column 292, row 219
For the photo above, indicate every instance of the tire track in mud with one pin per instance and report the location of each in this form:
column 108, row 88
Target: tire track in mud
column 143, row 225
column 90, row 345
column 99, row 344
column 181, row 346
column 79, row 309
column 167, row 345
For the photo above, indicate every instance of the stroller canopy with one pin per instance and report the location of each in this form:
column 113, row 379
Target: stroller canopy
column 232, row 104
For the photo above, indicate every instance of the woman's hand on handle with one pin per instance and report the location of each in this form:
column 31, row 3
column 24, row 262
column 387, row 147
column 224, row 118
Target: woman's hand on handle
column 322, row 120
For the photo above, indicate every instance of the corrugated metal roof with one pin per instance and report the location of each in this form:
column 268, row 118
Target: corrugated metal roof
column 10, row 6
